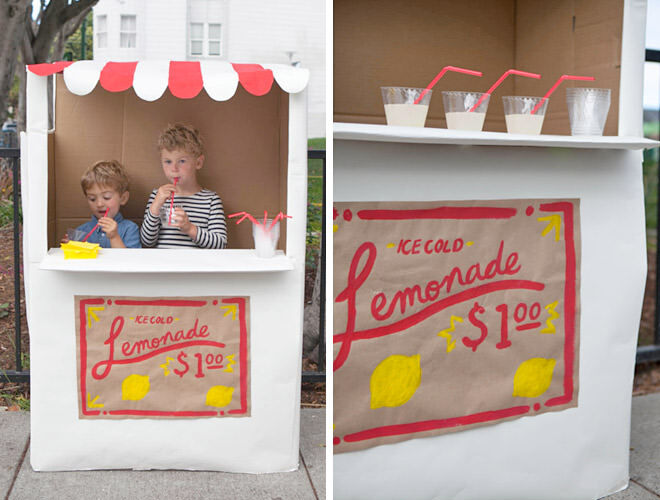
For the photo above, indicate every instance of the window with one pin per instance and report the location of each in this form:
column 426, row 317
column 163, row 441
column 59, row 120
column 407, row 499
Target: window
column 127, row 32
column 101, row 32
column 196, row 39
column 205, row 39
column 214, row 39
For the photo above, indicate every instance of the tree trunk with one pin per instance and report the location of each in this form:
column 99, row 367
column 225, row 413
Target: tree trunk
column 12, row 25
column 312, row 316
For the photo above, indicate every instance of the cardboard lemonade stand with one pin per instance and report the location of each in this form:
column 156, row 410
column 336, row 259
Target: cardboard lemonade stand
column 156, row 358
column 487, row 286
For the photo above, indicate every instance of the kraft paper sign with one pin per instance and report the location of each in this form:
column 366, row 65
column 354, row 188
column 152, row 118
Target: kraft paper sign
column 163, row 357
column 451, row 315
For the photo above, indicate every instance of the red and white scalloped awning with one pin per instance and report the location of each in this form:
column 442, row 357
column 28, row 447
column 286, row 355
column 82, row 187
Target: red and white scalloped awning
column 185, row 79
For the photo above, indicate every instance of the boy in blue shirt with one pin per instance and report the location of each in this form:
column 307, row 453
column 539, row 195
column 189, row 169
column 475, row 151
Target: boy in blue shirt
column 105, row 185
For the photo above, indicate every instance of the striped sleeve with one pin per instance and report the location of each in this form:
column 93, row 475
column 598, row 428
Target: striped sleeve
column 214, row 235
column 150, row 229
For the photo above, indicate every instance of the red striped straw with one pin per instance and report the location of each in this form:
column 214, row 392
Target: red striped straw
column 500, row 80
column 441, row 74
column 97, row 225
column 176, row 179
column 554, row 87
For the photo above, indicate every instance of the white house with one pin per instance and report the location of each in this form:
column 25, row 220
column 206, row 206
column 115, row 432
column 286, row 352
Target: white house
column 285, row 31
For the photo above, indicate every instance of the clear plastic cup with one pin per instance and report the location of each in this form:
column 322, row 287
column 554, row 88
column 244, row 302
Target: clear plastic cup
column 166, row 216
column 400, row 107
column 587, row 110
column 75, row 234
column 458, row 106
column 519, row 117
column 265, row 237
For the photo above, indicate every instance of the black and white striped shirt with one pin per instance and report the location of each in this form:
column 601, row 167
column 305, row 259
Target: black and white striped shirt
column 204, row 209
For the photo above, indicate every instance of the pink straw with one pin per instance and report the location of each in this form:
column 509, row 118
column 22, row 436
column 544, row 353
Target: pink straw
column 500, row 80
column 554, row 87
column 245, row 216
column 176, row 179
column 279, row 216
column 441, row 74
column 97, row 225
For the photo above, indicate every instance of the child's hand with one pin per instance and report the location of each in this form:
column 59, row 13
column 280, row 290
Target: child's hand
column 109, row 227
column 65, row 239
column 182, row 221
column 163, row 194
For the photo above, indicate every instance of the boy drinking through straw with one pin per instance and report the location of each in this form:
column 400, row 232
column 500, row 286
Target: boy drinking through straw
column 182, row 214
column 105, row 185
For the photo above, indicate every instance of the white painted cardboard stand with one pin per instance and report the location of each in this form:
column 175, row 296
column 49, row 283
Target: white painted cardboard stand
column 580, row 453
column 267, row 441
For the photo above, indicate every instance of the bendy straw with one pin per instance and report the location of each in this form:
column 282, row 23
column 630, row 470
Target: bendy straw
column 169, row 219
column 246, row 215
column 557, row 83
column 500, row 80
column 441, row 74
column 97, row 225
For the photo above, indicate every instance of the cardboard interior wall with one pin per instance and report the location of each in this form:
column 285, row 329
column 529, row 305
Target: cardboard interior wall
column 245, row 142
column 395, row 43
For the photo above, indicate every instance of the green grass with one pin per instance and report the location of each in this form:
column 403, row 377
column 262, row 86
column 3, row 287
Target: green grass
column 314, row 202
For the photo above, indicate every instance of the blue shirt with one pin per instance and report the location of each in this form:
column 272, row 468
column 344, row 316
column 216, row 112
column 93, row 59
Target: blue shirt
column 127, row 230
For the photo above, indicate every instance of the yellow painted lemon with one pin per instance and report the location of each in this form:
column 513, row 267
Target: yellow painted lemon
column 135, row 387
column 395, row 380
column 533, row 377
column 219, row 396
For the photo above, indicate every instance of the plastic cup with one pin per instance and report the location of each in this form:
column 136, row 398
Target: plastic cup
column 519, row 117
column 457, row 110
column 587, row 110
column 75, row 234
column 165, row 215
column 400, row 107
column 265, row 238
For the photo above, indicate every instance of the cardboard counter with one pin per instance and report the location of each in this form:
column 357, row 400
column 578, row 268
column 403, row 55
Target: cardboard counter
column 155, row 358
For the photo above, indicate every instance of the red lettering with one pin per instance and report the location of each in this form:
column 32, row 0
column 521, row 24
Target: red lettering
column 403, row 247
column 458, row 245
column 115, row 331
column 354, row 282
column 415, row 248
column 432, row 290
column 377, row 304
column 438, row 245
column 511, row 261
column 428, row 246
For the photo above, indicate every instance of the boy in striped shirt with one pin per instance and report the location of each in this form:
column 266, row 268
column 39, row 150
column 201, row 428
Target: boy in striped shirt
column 198, row 220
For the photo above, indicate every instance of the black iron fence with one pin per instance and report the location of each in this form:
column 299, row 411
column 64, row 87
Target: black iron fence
column 319, row 374
column 651, row 352
column 12, row 156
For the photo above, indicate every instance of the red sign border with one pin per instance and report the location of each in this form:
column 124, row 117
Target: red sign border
column 570, row 301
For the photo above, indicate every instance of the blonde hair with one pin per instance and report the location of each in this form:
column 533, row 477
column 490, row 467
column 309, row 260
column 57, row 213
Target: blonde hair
column 105, row 173
column 181, row 137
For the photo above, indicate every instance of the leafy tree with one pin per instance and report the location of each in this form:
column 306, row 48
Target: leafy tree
column 39, row 38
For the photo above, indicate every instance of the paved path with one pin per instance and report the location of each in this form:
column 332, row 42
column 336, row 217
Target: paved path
column 19, row 482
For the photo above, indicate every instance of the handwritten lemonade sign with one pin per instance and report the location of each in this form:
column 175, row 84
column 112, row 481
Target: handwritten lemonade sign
column 162, row 357
column 450, row 315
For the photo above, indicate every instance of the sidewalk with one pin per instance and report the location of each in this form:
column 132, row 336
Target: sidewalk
column 18, row 481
